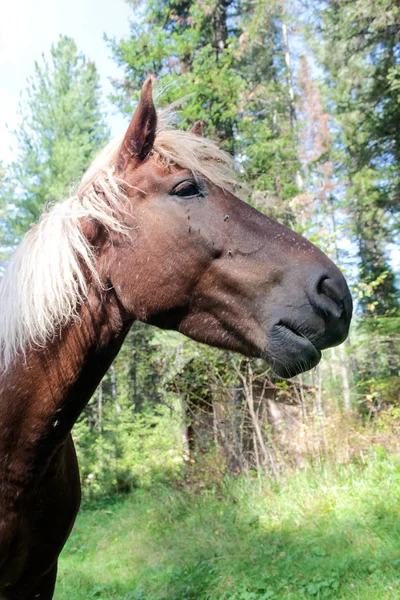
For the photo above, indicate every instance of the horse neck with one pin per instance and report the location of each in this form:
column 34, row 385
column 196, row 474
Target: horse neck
column 43, row 394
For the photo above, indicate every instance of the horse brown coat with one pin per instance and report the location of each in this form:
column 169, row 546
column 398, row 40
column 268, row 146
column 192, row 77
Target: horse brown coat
column 193, row 258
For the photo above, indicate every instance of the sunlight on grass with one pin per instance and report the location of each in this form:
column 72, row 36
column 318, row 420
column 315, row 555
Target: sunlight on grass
column 319, row 534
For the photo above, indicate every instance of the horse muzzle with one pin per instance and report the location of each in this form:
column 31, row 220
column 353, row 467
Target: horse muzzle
column 319, row 319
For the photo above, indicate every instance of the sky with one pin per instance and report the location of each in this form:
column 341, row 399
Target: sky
column 29, row 27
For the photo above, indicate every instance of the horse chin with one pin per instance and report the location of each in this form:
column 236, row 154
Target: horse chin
column 290, row 353
column 287, row 369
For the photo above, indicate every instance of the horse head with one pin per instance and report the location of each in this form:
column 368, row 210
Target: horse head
column 199, row 260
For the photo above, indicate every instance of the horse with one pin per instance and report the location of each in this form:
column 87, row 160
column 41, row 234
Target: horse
column 155, row 232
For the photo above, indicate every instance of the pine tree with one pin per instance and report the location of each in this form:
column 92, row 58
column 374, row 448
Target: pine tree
column 61, row 129
column 227, row 58
column 357, row 44
column 359, row 52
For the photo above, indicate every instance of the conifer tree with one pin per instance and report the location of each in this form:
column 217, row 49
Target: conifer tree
column 359, row 52
column 357, row 44
column 227, row 58
column 61, row 129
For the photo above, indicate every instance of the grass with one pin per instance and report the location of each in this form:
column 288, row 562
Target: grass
column 319, row 534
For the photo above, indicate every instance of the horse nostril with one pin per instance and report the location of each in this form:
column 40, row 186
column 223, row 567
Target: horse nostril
column 329, row 297
column 328, row 288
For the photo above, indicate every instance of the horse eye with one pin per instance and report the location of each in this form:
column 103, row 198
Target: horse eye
column 186, row 189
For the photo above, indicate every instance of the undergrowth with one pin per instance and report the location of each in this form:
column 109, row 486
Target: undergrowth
column 331, row 533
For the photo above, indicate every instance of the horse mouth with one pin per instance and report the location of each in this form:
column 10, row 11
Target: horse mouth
column 290, row 351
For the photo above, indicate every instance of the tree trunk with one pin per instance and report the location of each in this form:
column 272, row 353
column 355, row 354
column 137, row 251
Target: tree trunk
column 114, row 392
column 264, row 452
column 318, row 395
column 185, row 432
column 289, row 80
column 100, row 408
column 218, row 20
column 345, row 379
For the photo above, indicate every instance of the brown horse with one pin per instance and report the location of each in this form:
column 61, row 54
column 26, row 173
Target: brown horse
column 154, row 233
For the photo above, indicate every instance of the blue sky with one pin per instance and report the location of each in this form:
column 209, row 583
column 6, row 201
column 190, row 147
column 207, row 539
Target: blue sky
column 27, row 29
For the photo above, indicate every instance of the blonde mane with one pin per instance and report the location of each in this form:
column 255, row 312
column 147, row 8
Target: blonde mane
column 45, row 281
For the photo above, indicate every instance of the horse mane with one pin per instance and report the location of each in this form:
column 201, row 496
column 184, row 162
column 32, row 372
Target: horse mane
column 46, row 280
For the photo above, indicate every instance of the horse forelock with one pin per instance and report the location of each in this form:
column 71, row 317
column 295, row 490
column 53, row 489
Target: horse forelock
column 200, row 155
column 46, row 279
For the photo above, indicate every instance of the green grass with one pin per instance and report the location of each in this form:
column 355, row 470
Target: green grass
column 327, row 534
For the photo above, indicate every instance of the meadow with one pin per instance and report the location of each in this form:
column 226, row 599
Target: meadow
column 330, row 532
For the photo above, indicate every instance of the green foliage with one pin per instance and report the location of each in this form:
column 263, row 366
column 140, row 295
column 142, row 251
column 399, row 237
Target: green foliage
column 61, row 129
column 360, row 52
column 357, row 45
column 187, row 531
column 131, row 451
column 129, row 433
column 319, row 534
column 227, row 60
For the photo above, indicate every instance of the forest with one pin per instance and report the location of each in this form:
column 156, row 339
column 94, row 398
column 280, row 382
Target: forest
column 204, row 475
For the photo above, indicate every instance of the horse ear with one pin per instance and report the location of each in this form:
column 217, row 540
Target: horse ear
column 140, row 135
column 197, row 128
